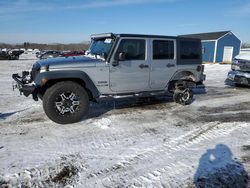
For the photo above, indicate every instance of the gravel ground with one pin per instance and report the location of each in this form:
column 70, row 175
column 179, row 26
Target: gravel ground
column 128, row 143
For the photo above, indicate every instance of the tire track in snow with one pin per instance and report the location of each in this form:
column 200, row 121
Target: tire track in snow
column 172, row 170
column 140, row 166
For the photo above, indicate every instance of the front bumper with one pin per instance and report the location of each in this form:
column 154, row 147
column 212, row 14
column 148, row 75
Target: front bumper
column 24, row 86
column 238, row 77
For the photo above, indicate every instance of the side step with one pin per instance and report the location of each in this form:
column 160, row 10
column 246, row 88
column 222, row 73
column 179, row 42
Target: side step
column 145, row 94
column 128, row 95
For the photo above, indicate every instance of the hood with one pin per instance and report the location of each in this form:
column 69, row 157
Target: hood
column 243, row 56
column 69, row 62
column 242, row 62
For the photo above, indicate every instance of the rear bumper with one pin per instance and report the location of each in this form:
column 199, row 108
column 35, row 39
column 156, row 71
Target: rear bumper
column 202, row 77
column 238, row 77
column 25, row 88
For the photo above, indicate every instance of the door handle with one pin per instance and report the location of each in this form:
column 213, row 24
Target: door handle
column 143, row 66
column 170, row 65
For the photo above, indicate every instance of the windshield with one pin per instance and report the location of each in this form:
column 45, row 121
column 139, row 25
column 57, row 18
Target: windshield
column 100, row 46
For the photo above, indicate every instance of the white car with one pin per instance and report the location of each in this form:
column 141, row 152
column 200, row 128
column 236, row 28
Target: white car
column 240, row 73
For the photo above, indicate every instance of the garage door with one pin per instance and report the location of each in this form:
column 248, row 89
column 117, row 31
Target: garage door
column 228, row 54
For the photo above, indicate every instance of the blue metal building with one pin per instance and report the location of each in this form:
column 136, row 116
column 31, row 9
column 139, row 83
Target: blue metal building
column 220, row 46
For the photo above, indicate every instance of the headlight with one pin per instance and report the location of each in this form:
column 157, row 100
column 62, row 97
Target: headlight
column 35, row 70
column 235, row 65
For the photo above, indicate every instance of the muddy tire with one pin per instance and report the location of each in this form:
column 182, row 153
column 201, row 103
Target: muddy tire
column 183, row 96
column 66, row 102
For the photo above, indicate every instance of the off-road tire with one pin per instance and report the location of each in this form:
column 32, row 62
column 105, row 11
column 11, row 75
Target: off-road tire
column 180, row 98
column 51, row 97
column 40, row 96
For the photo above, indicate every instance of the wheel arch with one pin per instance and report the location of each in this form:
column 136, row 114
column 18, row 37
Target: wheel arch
column 47, row 79
column 181, row 76
column 184, row 75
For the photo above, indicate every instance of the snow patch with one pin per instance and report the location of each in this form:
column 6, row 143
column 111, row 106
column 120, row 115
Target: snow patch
column 103, row 123
column 62, row 173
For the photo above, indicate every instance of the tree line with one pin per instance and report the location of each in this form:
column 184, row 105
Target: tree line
column 245, row 45
column 59, row 47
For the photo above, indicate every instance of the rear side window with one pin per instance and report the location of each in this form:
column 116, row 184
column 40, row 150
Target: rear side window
column 134, row 49
column 163, row 49
column 190, row 50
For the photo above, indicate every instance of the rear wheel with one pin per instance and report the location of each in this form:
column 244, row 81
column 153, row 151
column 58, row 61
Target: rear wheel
column 183, row 96
column 66, row 102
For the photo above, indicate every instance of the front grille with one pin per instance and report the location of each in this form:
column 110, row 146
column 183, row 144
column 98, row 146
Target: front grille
column 242, row 80
column 243, row 61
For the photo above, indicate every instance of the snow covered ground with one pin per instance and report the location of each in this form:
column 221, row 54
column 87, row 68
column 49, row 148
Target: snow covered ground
column 131, row 143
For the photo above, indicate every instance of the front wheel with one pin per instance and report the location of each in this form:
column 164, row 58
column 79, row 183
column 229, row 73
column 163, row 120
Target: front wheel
column 66, row 102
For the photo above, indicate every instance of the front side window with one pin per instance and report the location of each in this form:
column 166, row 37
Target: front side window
column 190, row 50
column 134, row 49
column 163, row 49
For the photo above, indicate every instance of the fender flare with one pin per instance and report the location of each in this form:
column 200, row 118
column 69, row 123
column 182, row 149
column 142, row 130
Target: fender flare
column 68, row 74
column 183, row 75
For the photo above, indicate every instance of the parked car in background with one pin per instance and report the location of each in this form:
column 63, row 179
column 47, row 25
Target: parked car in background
column 240, row 73
column 4, row 55
column 49, row 54
column 35, row 51
column 72, row 53
column 14, row 54
column 38, row 54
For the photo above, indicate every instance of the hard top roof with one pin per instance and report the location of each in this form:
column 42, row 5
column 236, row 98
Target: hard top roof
column 113, row 35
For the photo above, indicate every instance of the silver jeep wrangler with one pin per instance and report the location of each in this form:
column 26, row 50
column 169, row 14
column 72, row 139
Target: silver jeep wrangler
column 116, row 65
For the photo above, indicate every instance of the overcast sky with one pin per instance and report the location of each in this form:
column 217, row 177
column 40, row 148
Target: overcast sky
column 64, row 21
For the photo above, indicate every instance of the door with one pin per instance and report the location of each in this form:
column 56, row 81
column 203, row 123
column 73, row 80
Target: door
column 228, row 54
column 132, row 73
column 163, row 62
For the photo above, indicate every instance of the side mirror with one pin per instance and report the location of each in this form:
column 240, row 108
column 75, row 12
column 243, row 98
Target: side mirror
column 118, row 57
column 121, row 56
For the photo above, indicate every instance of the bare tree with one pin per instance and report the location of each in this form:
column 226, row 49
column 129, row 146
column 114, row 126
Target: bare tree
column 245, row 45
